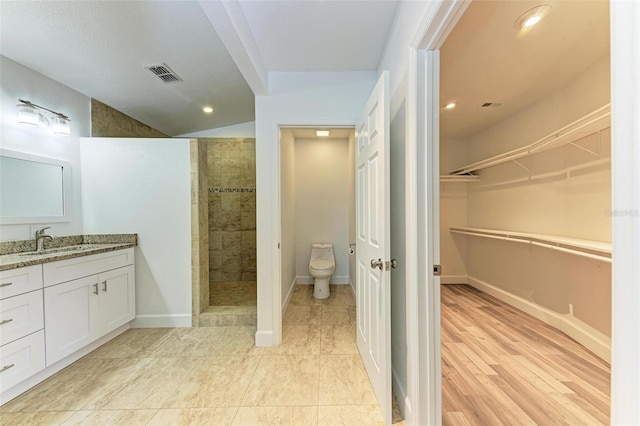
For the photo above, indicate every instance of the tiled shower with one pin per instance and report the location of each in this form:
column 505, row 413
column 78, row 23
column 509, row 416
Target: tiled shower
column 232, row 221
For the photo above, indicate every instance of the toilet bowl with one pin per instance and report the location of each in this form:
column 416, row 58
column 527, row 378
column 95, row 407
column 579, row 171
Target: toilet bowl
column 322, row 265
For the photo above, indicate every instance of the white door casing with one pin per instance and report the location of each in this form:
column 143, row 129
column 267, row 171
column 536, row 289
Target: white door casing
column 373, row 318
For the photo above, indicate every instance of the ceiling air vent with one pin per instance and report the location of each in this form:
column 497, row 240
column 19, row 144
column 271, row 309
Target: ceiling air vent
column 164, row 73
column 491, row 104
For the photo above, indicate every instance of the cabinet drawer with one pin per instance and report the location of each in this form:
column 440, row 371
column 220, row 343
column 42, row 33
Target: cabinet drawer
column 20, row 280
column 20, row 315
column 21, row 359
column 70, row 269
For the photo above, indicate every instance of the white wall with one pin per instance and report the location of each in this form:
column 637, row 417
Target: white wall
column 322, row 203
column 143, row 186
column 288, row 209
column 398, row 251
column 323, row 99
column 242, row 130
column 19, row 82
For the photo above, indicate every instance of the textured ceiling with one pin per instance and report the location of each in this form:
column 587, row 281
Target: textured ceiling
column 100, row 48
column 485, row 59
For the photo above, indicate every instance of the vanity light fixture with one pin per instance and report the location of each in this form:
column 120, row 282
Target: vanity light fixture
column 532, row 17
column 322, row 133
column 30, row 114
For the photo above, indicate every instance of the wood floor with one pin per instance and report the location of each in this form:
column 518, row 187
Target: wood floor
column 502, row 366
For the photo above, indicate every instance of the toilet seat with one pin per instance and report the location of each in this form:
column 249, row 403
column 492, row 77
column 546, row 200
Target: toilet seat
column 321, row 264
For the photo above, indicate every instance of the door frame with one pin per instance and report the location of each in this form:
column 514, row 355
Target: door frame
column 424, row 381
column 625, row 105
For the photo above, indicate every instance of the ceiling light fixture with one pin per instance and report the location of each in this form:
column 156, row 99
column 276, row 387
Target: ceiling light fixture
column 207, row 109
column 322, row 133
column 532, row 17
column 450, row 105
column 30, row 114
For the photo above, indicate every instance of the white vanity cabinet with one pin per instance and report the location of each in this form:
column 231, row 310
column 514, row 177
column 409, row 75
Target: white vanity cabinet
column 22, row 352
column 86, row 298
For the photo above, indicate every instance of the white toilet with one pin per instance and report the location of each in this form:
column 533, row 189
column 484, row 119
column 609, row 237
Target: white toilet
column 322, row 265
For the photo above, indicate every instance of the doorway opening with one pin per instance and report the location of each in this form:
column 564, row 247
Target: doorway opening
column 225, row 183
column 525, row 237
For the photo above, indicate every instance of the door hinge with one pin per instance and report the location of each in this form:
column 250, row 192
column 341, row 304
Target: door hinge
column 437, row 270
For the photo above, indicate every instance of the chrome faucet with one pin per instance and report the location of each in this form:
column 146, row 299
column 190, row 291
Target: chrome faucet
column 40, row 237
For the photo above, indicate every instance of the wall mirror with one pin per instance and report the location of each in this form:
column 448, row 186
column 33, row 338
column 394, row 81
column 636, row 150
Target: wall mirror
column 33, row 189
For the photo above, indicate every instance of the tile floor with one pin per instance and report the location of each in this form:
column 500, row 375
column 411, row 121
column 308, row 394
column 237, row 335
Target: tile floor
column 216, row 376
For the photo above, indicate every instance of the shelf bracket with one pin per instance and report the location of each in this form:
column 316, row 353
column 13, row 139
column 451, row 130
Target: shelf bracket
column 520, row 164
column 585, row 149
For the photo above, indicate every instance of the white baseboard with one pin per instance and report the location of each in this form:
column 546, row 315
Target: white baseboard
column 27, row 384
column 264, row 338
column 339, row 279
column 454, row 279
column 285, row 304
column 590, row 338
column 162, row 321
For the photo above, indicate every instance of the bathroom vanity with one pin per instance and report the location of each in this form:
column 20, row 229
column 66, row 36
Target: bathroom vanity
column 59, row 304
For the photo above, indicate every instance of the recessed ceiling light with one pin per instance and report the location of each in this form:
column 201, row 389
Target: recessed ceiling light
column 207, row 109
column 322, row 133
column 450, row 105
column 532, row 17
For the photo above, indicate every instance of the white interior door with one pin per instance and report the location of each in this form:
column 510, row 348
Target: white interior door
column 373, row 296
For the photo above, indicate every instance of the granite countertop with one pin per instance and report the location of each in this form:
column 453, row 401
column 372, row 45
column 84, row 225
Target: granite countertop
column 18, row 254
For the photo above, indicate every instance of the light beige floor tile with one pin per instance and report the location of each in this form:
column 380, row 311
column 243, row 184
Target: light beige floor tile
column 338, row 340
column 235, row 342
column 147, row 386
column 298, row 339
column 302, row 315
column 339, row 315
column 277, row 416
column 350, row 415
column 74, row 386
column 133, row 343
column 186, row 342
column 340, row 295
column 111, row 417
column 44, row 418
column 284, row 380
column 303, row 296
column 219, row 416
column 343, row 380
column 214, row 382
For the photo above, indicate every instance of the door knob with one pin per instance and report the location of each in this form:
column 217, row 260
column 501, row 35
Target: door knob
column 377, row 264
column 394, row 263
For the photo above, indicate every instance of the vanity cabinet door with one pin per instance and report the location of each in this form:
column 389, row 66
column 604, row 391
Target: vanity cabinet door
column 70, row 319
column 117, row 298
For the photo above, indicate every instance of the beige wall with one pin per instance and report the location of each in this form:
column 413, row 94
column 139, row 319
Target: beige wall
column 567, row 192
column 232, row 209
column 322, row 202
column 109, row 122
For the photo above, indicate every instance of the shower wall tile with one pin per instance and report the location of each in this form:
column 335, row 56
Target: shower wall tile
column 231, row 208
column 248, row 221
column 249, row 275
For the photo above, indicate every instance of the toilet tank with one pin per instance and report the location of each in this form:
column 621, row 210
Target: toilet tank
column 322, row 251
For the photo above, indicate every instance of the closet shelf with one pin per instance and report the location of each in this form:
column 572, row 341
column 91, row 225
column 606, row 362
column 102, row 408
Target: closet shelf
column 597, row 250
column 459, row 178
column 589, row 124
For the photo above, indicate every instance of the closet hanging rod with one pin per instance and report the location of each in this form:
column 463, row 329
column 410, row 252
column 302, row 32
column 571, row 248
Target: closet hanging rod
column 589, row 124
column 571, row 251
column 537, row 241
